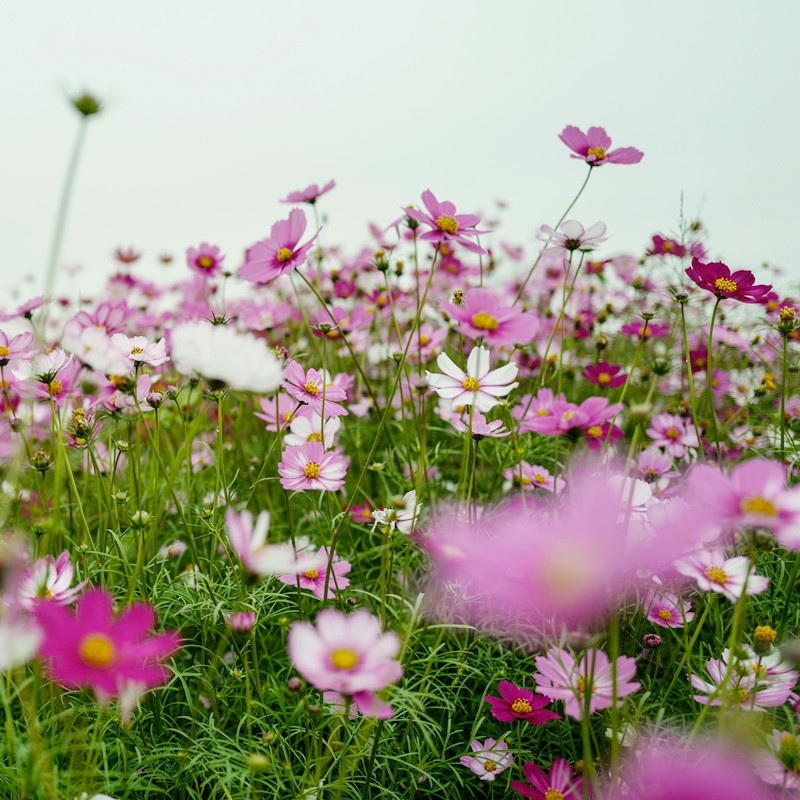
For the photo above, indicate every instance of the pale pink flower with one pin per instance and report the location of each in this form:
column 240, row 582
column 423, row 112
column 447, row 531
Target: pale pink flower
column 666, row 609
column 241, row 621
column 477, row 386
column 532, row 476
column 713, row 572
column 311, row 572
column 481, row 429
column 779, row 764
column 571, row 236
column 42, row 367
column 482, row 317
column 488, row 758
column 346, row 654
column 48, row 580
column 582, row 680
column 281, row 252
column 673, row 433
column 310, row 467
column 138, row 350
column 19, row 346
column 249, row 542
column 593, row 147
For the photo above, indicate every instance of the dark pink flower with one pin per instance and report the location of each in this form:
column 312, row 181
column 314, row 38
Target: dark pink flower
column 666, row 247
column 205, row 260
column 593, row 145
column 96, row 648
column 717, row 278
column 313, row 389
column 281, row 252
column 310, row 194
column 558, row 784
column 447, row 225
column 517, row 703
column 604, row 374
column 653, row 330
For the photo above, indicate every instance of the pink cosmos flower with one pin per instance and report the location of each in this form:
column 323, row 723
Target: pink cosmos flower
column 532, row 476
column 138, row 350
column 482, row 317
column 717, row 278
column 313, row 389
column 249, row 542
column 477, row 386
column 779, row 764
column 96, row 648
column 310, row 194
column 677, row 770
column 42, row 367
column 559, row 783
column 753, row 495
column 481, row 429
column 666, row 609
column 205, row 260
column 19, row 346
column 309, row 467
column 571, row 236
column 516, row 703
column 593, row 145
column 48, row 580
column 488, row 759
column 561, row 676
column 666, row 247
column 646, row 330
column 596, row 436
column 346, row 654
column 311, row 572
column 673, row 433
column 654, row 466
column 604, row 374
column 281, row 252
column 241, row 621
column 713, row 572
column 447, row 225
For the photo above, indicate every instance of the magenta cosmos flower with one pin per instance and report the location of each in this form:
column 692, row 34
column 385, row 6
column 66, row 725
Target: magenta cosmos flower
column 96, row 648
column 604, row 374
column 447, row 225
column 344, row 653
column 516, row 703
column 281, row 252
column 561, row 676
column 312, row 389
column 717, row 278
column 477, row 386
column 308, row 466
column 593, row 145
column 310, row 194
column 482, row 316
column 205, row 260
column 557, row 785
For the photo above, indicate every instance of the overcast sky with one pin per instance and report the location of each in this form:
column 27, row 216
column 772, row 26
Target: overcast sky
column 217, row 110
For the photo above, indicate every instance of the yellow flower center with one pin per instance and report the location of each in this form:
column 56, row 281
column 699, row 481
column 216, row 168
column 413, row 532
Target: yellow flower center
column 739, row 694
column 521, row 706
column 595, row 432
column 471, row 384
column 311, row 470
column 725, row 285
column 484, row 322
column 554, row 794
column 758, row 505
column 585, row 684
column 447, row 225
column 489, row 765
column 672, row 433
column 668, row 246
column 311, row 388
column 284, row 255
column 717, row 575
column 765, row 634
column 599, row 153
column 205, row 262
column 55, row 387
column 542, row 412
column 759, row 670
column 787, row 314
column 137, row 351
column 314, row 437
column 312, row 574
column 525, row 481
column 97, row 650
column 539, row 478
column 424, row 340
column 344, row 659
column 665, row 614
column 4, row 351
column 604, row 379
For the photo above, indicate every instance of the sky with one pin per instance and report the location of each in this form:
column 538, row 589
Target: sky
column 214, row 111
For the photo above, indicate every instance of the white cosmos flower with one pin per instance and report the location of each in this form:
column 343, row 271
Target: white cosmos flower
column 221, row 353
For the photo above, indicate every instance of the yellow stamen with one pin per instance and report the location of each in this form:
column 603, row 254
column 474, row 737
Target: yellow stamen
column 672, row 433
column 97, row 650
column 539, row 478
column 595, row 432
column 284, row 255
column 521, row 706
column 447, row 225
column 55, row 387
column 604, row 379
column 205, row 262
column 765, row 634
column 484, row 322
column 725, row 285
column 489, row 765
column 312, row 574
column 665, row 614
column 4, row 351
column 758, row 505
column 717, row 575
column 599, row 154
column 554, row 794
column 137, row 351
column 311, row 388
column 344, row 659
column 314, row 437
column 471, row 384
column 311, row 470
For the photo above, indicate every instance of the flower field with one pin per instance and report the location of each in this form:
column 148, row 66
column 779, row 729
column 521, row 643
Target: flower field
column 441, row 518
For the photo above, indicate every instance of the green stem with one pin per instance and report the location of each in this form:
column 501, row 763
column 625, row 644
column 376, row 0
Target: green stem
column 709, row 387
